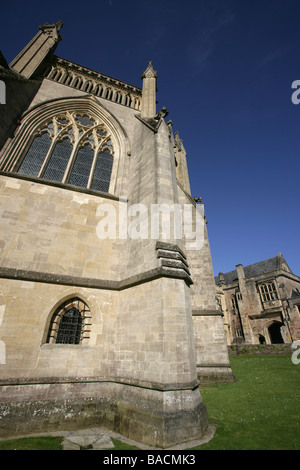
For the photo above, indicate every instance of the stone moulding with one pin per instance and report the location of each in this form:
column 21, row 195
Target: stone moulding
column 50, row 278
column 206, row 313
column 173, row 266
column 173, row 260
column 57, row 184
column 100, row 76
column 117, row 380
column 83, row 79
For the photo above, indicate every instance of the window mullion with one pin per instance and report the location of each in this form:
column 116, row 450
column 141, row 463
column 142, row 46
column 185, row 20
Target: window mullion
column 70, row 163
column 46, row 160
column 93, row 167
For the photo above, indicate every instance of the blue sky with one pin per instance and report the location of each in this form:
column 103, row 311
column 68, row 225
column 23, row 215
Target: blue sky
column 225, row 71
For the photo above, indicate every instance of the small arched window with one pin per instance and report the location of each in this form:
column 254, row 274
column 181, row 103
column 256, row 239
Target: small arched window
column 70, row 324
column 71, row 148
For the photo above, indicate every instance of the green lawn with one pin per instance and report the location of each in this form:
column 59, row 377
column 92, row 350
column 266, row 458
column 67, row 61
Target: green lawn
column 259, row 411
column 33, row 443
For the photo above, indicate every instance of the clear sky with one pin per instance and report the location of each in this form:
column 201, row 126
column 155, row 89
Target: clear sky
column 225, row 72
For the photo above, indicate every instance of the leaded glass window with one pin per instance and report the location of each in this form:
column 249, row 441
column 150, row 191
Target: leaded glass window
column 71, row 148
column 70, row 324
column 85, row 120
column 102, row 171
column 82, row 166
column 58, row 161
column 34, row 158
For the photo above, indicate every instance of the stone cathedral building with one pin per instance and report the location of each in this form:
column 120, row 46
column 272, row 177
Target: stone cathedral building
column 103, row 321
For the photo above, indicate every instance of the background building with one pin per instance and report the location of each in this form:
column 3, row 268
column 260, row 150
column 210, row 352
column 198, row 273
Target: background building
column 260, row 302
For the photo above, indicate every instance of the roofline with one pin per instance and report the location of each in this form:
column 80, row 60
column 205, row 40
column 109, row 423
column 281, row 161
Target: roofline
column 261, row 277
column 99, row 75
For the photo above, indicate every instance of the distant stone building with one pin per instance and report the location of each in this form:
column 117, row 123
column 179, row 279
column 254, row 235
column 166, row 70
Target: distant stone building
column 260, row 302
column 102, row 320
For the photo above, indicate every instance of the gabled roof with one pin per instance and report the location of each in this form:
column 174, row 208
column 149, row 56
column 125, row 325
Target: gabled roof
column 256, row 269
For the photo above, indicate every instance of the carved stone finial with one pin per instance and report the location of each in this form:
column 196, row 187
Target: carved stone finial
column 177, row 141
column 150, row 72
column 170, row 129
column 48, row 28
column 59, row 24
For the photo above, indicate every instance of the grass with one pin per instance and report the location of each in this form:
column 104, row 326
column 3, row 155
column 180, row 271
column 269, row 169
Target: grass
column 33, row 443
column 260, row 411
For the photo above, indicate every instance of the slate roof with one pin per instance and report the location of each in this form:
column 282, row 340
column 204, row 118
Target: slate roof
column 262, row 267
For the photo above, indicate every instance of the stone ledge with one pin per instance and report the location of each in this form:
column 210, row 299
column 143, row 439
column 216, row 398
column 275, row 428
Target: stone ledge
column 61, row 279
column 173, row 261
column 57, row 184
column 206, row 313
column 26, row 381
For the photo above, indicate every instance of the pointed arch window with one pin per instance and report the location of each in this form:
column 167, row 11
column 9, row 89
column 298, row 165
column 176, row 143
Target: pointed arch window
column 82, row 166
column 71, row 148
column 70, row 324
column 57, row 164
column 32, row 163
column 103, row 168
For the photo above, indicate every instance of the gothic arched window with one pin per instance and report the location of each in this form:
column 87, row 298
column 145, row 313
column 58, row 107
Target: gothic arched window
column 70, row 323
column 32, row 163
column 71, row 148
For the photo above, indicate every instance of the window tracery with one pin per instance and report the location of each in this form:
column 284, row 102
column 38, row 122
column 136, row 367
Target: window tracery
column 71, row 148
